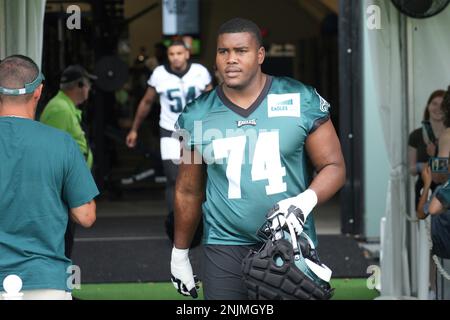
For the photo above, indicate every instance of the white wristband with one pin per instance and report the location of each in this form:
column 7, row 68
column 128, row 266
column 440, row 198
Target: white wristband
column 179, row 254
column 306, row 201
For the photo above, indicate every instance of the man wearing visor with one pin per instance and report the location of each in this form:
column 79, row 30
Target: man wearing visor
column 44, row 182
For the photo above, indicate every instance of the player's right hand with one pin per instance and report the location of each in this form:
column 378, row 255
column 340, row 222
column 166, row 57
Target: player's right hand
column 183, row 277
column 292, row 211
column 131, row 139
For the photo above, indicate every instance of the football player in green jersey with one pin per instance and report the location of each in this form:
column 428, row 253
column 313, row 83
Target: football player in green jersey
column 259, row 138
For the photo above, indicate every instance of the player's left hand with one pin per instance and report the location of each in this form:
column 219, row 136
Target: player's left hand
column 292, row 212
column 182, row 277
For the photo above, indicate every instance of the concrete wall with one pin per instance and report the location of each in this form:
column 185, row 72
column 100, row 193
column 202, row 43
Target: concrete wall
column 285, row 20
column 145, row 31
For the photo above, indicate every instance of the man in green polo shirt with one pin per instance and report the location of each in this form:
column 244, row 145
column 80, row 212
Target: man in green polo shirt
column 62, row 113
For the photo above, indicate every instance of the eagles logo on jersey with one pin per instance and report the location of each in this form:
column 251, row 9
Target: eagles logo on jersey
column 252, row 164
column 324, row 105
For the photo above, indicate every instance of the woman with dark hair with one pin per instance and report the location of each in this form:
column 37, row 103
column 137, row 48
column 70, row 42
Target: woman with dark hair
column 439, row 204
column 423, row 142
column 444, row 141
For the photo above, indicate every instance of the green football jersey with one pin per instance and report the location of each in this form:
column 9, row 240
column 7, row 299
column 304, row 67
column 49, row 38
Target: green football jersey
column 255, row 157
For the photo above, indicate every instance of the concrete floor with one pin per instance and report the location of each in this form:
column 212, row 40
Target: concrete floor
column 118, row 249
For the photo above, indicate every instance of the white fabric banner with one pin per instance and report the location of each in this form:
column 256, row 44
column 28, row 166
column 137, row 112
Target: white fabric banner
column 2, row 29
column 22, row 26
column 431, row 64
column 384, row 53
column 409, row 61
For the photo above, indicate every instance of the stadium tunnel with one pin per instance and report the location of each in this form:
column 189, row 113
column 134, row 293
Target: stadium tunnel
column 121, row 41
column 118, row 33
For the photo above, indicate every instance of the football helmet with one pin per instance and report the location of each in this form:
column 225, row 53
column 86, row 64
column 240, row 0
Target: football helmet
column 286, row 268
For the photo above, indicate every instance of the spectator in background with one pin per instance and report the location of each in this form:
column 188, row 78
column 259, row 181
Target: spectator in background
column 438, row 204
column 62, row 113
column 422, row 143
column 62, row 110
column 43, row 177
column 439, row 208
column 444, row 140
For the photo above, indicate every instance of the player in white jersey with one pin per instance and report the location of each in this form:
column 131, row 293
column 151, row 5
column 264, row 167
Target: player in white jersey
column 177, row 83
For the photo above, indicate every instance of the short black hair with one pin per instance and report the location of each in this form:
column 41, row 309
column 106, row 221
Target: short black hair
column 237, row 25
column 16, row 71
column 177, row 43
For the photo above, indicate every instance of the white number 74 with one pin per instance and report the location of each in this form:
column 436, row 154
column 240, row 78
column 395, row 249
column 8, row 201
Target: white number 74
column 266, row 162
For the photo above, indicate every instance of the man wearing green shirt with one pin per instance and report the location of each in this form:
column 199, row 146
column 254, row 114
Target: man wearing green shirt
column 62, row 113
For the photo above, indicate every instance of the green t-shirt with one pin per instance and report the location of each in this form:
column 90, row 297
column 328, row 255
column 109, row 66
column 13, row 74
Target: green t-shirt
column 61, row 113
column 42, row 175
column 255, row 157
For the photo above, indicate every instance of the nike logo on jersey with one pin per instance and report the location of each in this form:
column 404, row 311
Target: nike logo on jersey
column 250, row 122
column 283, row 105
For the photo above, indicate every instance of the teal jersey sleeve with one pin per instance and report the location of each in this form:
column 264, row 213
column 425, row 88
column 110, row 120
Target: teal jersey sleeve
column 79, row 187
column 317, row 109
